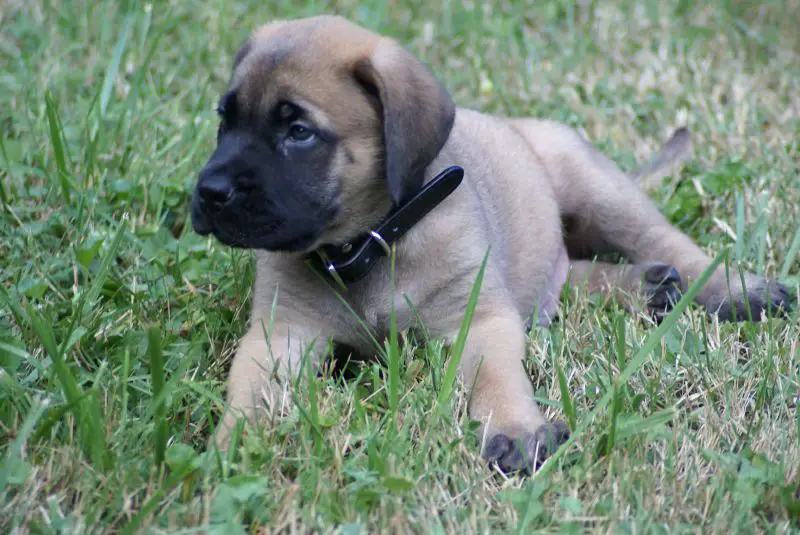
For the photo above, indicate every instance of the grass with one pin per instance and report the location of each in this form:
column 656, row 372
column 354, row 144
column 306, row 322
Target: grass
column 117, row 323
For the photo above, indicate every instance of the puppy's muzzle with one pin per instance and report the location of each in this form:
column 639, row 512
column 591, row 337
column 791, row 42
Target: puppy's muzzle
column 213, row 194
column 215, row 191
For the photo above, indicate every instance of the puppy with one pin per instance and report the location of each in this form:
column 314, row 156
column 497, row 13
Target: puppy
column 328, row 131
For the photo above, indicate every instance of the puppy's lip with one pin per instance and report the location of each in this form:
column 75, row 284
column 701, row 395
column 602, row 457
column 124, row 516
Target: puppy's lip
column 303, row 243
column 200, row 222
column 201, row 228
column 266, row 240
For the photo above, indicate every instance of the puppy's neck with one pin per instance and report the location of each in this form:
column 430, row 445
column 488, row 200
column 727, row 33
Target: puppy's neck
column 351, row 261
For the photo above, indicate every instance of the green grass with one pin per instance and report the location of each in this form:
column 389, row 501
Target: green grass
column 117, row 323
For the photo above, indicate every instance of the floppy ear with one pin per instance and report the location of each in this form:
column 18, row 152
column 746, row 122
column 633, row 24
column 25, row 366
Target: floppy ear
column 418, row 113
column 242, row 52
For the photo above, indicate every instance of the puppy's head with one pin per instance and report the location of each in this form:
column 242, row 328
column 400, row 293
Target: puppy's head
column 323, row 126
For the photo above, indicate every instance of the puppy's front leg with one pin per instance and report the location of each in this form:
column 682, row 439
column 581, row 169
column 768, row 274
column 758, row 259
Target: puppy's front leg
column 515, row 434
column 262, row 369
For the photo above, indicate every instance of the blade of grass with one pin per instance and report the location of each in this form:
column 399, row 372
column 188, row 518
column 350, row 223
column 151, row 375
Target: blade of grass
column 59, row 150
column 449, row 379
column 740, row 232
column 566, row 398
column 760, row 236
column 616, row 407
column 313, row 406
column 757, row 236
column 124, row 377
column 620, row 336
column 113, row 66
column 147, row 22
column 91, row 138
column 746, row 295
column 13, row 455
column 393, row 346
column 790, row 255
column 637, row 361
column 4, row 196
column 160, row 410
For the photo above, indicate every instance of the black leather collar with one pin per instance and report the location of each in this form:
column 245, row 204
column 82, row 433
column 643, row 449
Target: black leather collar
column 350, row 262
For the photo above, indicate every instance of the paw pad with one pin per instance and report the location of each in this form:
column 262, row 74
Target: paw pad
column 527, row 453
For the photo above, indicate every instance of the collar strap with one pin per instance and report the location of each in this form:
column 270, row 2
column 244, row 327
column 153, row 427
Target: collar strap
column 351, row 261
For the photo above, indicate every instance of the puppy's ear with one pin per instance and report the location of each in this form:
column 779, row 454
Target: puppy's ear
column 418, row 113
column 242, row 52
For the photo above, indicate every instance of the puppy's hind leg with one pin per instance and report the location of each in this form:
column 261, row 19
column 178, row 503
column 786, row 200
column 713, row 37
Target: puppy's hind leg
column 659, row 284
column 609, row 205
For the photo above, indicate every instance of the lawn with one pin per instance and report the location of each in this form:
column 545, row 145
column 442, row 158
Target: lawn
column 117, row 322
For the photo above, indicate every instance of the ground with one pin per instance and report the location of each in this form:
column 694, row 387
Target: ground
column 117, row 323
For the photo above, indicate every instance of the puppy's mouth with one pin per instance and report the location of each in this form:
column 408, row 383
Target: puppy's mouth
column 236, row 227
column 269, row 241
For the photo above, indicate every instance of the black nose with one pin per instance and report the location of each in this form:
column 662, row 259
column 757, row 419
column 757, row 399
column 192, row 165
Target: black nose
column 215, row 190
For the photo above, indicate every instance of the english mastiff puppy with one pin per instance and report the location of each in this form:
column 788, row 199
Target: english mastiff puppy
column 337, row 146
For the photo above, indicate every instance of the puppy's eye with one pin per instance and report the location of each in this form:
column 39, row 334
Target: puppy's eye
column 300, row 134
column 223, row 121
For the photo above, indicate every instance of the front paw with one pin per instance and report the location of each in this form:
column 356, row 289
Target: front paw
column 527, row 452
column 765, row 297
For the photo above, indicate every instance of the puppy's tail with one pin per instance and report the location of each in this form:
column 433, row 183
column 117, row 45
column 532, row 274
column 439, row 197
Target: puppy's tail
column 676, row 151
